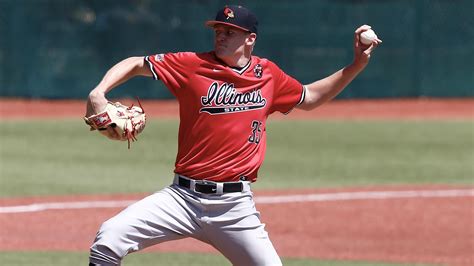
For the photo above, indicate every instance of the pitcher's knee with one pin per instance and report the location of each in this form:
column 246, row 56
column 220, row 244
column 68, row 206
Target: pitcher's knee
column 108, row 248
column 103, row 256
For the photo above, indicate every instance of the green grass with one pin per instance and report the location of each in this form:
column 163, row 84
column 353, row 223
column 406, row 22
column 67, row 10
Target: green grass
column 154, row 259
column 342, row 153
column 61, row 157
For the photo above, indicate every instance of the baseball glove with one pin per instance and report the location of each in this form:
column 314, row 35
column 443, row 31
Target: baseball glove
column 130, row 120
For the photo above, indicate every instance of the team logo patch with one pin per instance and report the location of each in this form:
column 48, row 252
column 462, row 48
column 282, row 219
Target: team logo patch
column 258, row 71
column 159, row 57
column 225, row 99
column 228, row 13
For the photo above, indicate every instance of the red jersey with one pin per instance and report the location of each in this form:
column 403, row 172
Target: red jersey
column 223, row 111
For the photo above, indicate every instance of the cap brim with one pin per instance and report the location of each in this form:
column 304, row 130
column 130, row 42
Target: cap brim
column 212, row 23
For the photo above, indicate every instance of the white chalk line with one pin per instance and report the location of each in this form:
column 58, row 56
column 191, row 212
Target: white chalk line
column 321, row 197
column 364, row 195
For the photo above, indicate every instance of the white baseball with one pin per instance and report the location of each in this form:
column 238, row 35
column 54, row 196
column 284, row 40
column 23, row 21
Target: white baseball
column 367, row 37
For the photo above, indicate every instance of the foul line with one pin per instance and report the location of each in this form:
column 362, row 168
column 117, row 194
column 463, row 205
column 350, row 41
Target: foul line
column 367, row 195
column 323, row 197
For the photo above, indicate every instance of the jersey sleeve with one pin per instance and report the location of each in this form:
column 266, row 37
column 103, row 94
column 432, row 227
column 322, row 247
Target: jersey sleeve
column 288, row 92
column 173, row 69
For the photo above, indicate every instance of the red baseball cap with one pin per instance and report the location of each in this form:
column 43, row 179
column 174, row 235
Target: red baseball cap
column 236, row 16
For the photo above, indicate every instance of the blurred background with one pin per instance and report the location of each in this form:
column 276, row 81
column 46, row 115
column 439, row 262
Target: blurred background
column 59, row 49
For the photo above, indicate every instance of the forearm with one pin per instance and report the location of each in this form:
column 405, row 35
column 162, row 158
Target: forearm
column 324, row 90
column 118, row 74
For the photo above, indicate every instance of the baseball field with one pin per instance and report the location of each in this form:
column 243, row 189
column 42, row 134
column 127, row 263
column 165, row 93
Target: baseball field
column 353, row 183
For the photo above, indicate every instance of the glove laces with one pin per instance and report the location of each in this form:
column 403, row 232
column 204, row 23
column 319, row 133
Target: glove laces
column 130, row 134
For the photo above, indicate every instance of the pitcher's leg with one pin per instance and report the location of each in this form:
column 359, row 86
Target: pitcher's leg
column 160, row 217
column 246, row 243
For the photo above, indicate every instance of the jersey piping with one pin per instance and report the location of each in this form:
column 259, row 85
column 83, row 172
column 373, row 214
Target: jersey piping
column 242, row 70
column 303, row 96
column 155, row 76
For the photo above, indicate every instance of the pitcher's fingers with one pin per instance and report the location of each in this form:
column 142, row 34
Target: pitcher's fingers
column 362, row 28
column 369, row 50
column 112, row 133
column 121, row 136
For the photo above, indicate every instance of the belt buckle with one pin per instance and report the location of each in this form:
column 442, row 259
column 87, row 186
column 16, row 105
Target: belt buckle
column 207, row 187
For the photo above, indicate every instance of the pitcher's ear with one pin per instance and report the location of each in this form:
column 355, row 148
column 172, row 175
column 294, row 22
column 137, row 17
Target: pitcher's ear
column 251, row 39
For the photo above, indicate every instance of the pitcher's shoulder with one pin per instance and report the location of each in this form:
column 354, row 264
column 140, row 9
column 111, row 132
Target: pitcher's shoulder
column 264, row 62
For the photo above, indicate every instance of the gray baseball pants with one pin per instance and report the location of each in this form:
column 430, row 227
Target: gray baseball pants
column 229, row 222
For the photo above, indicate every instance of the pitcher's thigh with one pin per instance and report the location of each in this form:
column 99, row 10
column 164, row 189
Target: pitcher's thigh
column 246, row 243
column 152, row 220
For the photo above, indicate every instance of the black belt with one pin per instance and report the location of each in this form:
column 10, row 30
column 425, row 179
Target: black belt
column 209, row 187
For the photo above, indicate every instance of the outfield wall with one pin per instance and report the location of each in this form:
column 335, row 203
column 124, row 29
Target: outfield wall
column 61, row 49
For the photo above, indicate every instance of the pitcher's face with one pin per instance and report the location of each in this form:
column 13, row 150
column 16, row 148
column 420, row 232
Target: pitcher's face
column 229, row 41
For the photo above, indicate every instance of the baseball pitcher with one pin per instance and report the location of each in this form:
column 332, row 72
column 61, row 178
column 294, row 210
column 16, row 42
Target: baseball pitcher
column 225, row 97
